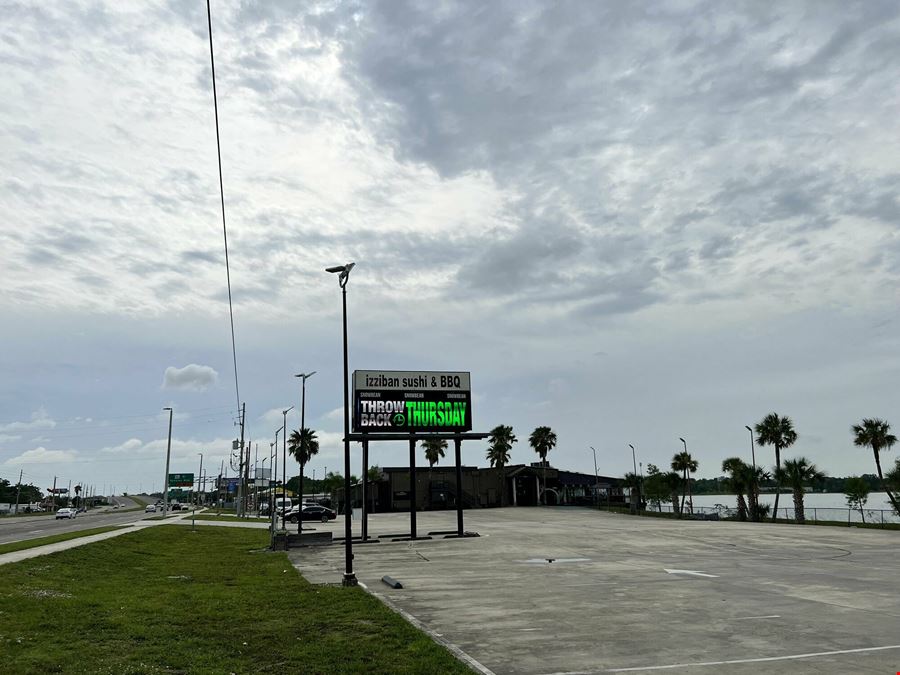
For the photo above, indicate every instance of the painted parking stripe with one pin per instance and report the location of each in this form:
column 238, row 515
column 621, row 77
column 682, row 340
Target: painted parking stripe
column 792, row 657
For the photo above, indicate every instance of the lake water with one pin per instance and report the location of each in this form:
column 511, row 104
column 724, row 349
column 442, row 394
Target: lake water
column 817, row 505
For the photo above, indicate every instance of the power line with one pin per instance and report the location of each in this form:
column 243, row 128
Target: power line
column 212, row 63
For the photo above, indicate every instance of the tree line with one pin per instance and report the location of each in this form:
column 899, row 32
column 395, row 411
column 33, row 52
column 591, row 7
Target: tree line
column 798, row 473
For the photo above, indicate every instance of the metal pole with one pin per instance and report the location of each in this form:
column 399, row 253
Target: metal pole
column 168, row 455
column 284, row 469
column 754, row 487
column 412, row 487
column 349, row 577
column 274, row 516
column 457, row 442
column 238, row 507
column 634, row 465
column 365, row 490
column 596, row 479
column 18, row 490
column 302, row 456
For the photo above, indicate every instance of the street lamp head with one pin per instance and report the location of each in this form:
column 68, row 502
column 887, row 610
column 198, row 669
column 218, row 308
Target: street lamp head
column 682, row 440
column 343, row 271
column 305, row 376
column 748, row 428
column 169, row 409
column 631, row 446
column 285, row 412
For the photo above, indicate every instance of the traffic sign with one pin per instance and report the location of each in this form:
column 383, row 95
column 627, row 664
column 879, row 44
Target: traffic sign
column 181, row 480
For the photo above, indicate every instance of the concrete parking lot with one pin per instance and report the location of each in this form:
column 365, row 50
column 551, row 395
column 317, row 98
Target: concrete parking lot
column 628, row 594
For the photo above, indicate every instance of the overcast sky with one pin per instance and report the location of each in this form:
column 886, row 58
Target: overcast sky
column 632, row 222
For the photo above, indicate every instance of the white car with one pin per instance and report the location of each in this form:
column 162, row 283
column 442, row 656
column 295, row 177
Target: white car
column 150, row 508
column 65, row 513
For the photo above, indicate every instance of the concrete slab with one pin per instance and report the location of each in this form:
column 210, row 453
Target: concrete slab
column 738, row 597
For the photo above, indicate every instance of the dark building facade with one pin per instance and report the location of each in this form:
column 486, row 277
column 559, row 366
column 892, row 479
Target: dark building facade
column 514, row 485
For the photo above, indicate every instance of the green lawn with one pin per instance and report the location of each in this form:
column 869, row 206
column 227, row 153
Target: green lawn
column 230, row 519
column 53, row 538
column 168, row 599
column 22, row 514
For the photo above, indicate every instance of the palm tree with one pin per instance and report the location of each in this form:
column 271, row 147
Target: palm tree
column 778, row 432
column 373, row 475
column 797, row 473
column 737, row 481
column 673, row 484
column 434, row 450
column 500, row 442
column 543, row 440
column 893, row 480
column 683, row 462
column 876, row 434
column 633, row 481
column 757, row 512
column 303, row 446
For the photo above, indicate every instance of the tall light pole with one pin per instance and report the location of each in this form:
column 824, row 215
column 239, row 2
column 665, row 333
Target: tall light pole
column 274, row 503
column 634, row 465
column 303, row 442
column 199, row 479
column 166, row 480
column 284, row 464
column 596, row 478
column 343, row 272
column 755, row 513
column 688, row 475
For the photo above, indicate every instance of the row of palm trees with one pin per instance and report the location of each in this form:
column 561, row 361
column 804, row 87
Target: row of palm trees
column 303, row 446
column 778, row 432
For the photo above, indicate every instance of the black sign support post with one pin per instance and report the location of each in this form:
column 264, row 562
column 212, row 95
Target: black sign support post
column 365, row 489
column 459, row 488
column 412, row 486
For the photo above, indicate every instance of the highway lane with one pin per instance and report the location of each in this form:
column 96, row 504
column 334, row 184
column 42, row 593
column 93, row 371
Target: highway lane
column 32, row 527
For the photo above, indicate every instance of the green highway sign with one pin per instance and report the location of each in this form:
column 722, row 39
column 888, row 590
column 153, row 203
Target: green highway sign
column 181, row 480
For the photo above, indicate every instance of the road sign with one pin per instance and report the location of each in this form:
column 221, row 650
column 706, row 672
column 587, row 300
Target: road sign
column 391, row 401
column 181, row 480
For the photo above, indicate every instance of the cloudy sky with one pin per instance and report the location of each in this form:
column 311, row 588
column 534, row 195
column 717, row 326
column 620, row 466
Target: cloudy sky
column 632, row 222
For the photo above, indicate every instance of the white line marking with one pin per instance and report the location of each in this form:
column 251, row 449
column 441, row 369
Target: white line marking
column 692, row 573
column 34, row 531
column 792, row 657
column 548, row 561
column 747, row 618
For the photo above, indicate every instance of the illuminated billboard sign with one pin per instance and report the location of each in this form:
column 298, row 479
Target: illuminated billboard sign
column 398, row 401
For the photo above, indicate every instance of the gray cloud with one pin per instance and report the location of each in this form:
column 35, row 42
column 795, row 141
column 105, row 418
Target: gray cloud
column 191, row 377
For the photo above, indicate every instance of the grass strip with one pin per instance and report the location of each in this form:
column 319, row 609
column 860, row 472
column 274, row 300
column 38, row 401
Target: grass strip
column 213, row 600
column 230, row 519
column 22, row 514
column 54, row 538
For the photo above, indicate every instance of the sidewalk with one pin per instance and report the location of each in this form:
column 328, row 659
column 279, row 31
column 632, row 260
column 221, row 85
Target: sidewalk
column 34, row 552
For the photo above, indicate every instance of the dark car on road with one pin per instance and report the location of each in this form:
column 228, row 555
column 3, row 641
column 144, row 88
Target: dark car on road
column 320, row 513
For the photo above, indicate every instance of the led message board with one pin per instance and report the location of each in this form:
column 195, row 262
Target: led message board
column 399, row 401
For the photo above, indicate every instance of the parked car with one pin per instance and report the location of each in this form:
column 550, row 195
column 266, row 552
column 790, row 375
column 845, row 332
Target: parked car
column 311, row 513
column 176, row 506
column 65, row 513
column 150, row 508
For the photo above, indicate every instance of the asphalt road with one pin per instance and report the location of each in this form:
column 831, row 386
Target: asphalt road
column 31, row 527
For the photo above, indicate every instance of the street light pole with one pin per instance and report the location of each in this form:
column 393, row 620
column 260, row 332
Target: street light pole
column 634, row 465
column 166, row 480
column 284, row 465
column 349, row 577
column 303, row 442
column 596, row 478
column 688, row 476
column 755, row 505
column 274, row 502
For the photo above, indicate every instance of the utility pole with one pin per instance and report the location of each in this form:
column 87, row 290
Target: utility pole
column 53, row 494
column 168, row 455
column 18, row 490
column 239, row 505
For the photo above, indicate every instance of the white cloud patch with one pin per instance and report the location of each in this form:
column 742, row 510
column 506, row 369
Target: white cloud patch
column 192, row 377
column 42, row 455
column 39, row 420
